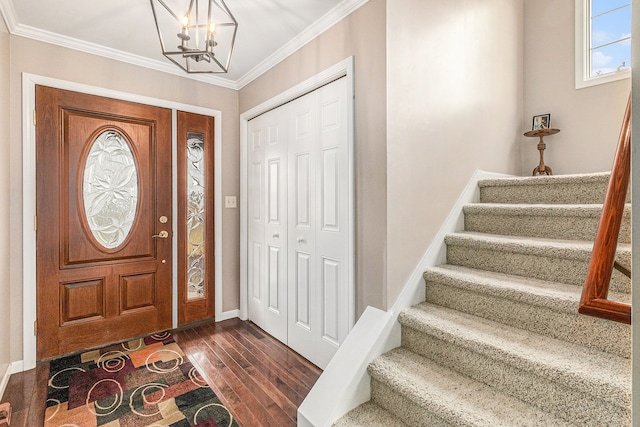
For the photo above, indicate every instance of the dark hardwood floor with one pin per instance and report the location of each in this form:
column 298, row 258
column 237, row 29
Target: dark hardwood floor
column 259, row 379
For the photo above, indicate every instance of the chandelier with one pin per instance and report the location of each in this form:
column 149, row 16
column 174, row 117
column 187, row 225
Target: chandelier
column 196, row 35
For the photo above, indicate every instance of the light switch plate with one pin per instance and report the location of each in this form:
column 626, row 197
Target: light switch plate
column 230, row 202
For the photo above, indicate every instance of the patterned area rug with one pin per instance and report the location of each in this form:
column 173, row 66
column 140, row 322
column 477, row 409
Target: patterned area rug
column 145, row 382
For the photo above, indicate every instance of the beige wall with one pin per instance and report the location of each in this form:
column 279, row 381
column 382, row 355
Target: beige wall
column 52, row 61
column 4, row 202
column 454, row 105
column 362, row 35
column 589, row 119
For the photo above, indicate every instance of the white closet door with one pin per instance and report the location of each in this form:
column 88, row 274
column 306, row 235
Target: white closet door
column 267, row 228
column 303, row 265
column 333, row 228
column 319, row 274
column 256, row 244
column 276, row 155
column 299, row 226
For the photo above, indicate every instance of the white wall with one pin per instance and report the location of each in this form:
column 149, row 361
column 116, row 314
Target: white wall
column 589, row 119
column 455, row 93
column 4, row 200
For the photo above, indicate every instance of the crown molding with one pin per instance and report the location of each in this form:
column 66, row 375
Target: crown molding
column 118, row 55
column 9, row 14
column 327, row 21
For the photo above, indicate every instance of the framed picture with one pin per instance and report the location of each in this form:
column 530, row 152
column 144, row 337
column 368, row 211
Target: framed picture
column 542, row 121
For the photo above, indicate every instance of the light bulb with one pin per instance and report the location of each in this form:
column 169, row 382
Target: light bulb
column 185, row 21
column 212, row 27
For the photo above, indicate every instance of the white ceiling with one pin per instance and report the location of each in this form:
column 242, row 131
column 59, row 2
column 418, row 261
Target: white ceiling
column 268, row 30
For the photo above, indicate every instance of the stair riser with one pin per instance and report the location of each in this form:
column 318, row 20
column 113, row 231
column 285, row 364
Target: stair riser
column 566, row 193
column 549, row 227
column 589, row 331
column 538, row 390
column 405, row 409
column 549, row 268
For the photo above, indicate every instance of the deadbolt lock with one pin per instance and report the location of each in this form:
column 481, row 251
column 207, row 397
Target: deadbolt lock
column 163, row 219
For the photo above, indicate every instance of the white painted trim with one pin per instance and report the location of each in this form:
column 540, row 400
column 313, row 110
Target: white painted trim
column 17, row 366
column 11, row 368
column 5, row 379
column 341, row 69
column 225, row 315
column 582, row 40
column 335, row 15
column 345, row 383
column 118, row 55
column 29, row 82
column 8, row 12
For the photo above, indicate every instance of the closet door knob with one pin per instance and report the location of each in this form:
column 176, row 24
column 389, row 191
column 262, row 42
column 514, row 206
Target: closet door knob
column 276, row 235
column 301, row 240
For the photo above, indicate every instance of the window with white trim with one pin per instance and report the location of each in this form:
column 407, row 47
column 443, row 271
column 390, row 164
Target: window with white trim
column 603, row 41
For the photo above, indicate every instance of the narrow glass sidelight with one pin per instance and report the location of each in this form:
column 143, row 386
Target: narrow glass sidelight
column 110, row 189
column 195, row 216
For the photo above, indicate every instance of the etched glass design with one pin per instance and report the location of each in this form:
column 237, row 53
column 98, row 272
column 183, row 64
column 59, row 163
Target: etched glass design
column 195, row 216
column 110, row 189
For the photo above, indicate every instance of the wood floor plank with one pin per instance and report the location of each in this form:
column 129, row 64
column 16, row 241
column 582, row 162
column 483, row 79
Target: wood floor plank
column 259, row 379
column 254, row 366
column 253, row 383
column 193, row 348
column 276, row 358
column 277, row 371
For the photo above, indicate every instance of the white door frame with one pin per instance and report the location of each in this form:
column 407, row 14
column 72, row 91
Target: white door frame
column 29, row 82
column 341, row 69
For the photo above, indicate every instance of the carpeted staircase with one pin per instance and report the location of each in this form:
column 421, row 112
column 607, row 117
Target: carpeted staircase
column 499, row 341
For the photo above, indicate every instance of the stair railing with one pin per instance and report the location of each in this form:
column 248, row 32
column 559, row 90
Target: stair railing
column 594, row 300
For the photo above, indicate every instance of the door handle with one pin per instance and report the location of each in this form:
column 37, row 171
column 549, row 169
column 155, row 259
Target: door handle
column 276, row 235
column 162, row 235
column 301, row 240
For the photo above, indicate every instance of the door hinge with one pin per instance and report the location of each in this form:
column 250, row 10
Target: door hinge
column 35, row 223
column 35, row 328
column 34, row 117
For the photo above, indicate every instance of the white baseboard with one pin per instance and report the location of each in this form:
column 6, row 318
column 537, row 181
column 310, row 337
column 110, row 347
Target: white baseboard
column 225, row 315
column 345, row 383
column 5, row 379
column 9, row 369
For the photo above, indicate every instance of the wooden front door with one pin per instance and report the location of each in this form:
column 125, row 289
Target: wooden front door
column 103, row 233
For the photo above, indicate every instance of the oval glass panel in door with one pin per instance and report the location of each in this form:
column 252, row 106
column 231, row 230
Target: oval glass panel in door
column 110, row 189
column 195, row 216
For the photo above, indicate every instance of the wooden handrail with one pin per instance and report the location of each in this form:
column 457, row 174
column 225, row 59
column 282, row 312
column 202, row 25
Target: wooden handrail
column 594, row 300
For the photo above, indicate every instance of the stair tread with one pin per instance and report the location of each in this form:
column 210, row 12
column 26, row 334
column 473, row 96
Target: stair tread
column 554, row 295
column 369, row 415
column 452, row 396
column 601, row 374
column 581, row 210
column 571, row 249
column 546, row 180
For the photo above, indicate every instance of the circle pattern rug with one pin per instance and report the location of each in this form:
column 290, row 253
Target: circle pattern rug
column 144, row 382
